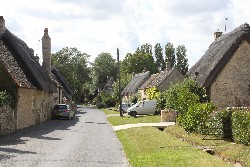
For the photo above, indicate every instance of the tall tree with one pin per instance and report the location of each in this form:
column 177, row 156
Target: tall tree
column 72, row 64
column 159, row 57
column 170, row 55
column 139, row 61
column 104, row 67
column 146, row 48
column 182, row 61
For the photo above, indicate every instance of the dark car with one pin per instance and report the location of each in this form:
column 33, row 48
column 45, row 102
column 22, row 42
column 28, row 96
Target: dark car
column 62, row 111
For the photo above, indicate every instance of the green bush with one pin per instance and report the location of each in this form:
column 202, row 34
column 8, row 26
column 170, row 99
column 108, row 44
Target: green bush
column 194, row 119
column 241, row 126
column 100, row 105
column 190, row 101
column 5, row 98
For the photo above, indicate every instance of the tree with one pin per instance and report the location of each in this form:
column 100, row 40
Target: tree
column 72, row 64
column 159, row 57
column 146, row 48
column 104, row 67
column 182, row 61
column 170, row 55
column 138, row 62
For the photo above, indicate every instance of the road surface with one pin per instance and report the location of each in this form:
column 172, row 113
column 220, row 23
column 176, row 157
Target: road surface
column 87, row 140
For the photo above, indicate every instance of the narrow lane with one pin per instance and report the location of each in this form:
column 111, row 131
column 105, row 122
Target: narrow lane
column 88, row 140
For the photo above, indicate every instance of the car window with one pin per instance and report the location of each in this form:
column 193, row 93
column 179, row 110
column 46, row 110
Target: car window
column 60, row 107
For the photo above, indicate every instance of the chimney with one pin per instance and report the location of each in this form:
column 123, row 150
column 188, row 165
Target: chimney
column 2, row 24
column 217, row 34
column 37, row 58
column 46, row 50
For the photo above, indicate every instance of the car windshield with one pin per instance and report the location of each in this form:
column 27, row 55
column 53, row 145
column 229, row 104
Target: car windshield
column 60, row 107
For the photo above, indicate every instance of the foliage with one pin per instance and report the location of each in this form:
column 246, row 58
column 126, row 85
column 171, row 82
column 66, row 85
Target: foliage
column 170, row 54
column 186, row 98
column 104, row 67
column 179, row 96
column 109, row 100
column 181, row 59
column 194, row 119
column 8, row 89
column 159, row 57
column 72, row 64
column 139, row 61
column 100, row 105
column 5, row 98
column 220, row 124
column 241, row 126
column 135, row 98
column 223, row 149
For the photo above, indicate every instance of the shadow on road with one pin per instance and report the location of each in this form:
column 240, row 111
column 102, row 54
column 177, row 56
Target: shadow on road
column 36, row 131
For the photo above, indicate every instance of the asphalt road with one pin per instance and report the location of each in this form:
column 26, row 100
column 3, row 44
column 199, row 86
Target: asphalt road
column 87, row 140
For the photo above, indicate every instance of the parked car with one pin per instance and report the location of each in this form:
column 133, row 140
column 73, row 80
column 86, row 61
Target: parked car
column 145, row 107
column 125, row 107
column 62, row 111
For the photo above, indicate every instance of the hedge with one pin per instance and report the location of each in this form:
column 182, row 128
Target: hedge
column 241, row 126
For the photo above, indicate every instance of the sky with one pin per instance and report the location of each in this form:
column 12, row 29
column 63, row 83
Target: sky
column 97, row 26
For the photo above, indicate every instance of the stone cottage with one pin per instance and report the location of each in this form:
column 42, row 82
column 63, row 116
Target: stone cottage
column 224, row 69
column 26, row 80
column 161, row 81
column 135, row 83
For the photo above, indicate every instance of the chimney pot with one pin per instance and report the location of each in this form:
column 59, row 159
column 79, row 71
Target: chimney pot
column 217, row 34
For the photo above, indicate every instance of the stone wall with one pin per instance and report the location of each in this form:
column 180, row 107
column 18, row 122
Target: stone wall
column 7, row 120
column 33, row 107
column 231, row 87
column 168, row 115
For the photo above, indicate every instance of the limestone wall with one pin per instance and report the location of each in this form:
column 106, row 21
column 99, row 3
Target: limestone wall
column 231, row 87
column 33, row 107
column 7, row 120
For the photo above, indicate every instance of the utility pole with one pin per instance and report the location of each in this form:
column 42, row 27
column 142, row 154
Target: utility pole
column 119, row 80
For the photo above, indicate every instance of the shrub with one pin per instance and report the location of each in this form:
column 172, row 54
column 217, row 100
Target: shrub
column 194, row 119
column 100, row 105
column 241, row 126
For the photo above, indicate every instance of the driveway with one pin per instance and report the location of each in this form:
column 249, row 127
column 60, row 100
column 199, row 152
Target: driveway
column 88, row 140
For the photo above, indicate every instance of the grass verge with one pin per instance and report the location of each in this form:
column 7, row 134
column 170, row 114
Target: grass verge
column 147, row 146
column 139, row 143
column 117, row 120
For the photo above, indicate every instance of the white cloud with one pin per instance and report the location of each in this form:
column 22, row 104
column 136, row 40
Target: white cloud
column 104, row 25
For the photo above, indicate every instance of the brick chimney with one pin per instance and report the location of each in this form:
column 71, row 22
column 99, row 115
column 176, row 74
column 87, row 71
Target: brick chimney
column 2, row 24
column 46, row 49
column 217, row 34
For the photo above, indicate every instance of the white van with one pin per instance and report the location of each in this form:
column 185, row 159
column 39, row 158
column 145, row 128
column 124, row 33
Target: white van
column 143, row 108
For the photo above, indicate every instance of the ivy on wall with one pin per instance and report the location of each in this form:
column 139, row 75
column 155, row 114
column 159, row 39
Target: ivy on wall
column 8, row 89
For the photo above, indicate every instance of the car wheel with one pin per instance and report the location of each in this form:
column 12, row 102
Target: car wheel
column 133, row 114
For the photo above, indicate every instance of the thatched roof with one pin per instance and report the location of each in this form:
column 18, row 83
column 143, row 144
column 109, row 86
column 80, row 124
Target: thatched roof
column 165, row 78
column 67, row 89
column 25, row 59
column 218, row 54
column 136, row 83
column 151, row 78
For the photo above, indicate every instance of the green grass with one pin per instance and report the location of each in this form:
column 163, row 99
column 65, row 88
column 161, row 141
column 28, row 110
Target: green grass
column 110, row 111
column 148, row 146
column 117, row 120
column 226, row 150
